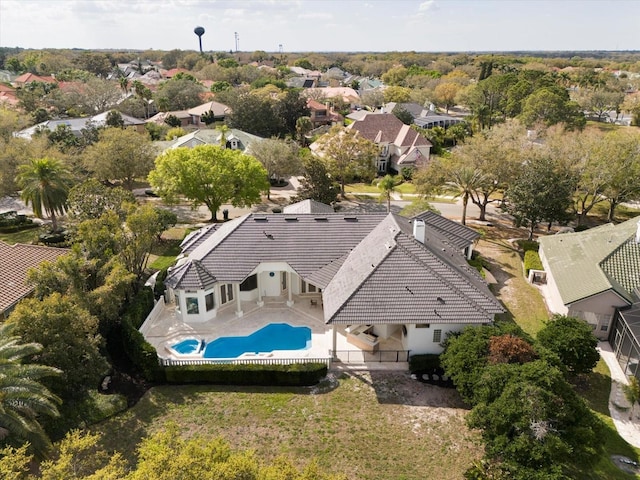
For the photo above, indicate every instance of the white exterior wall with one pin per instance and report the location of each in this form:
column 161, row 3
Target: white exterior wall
column 550, row 289
column 385, row 331
column 420, row 340
column 202, row 315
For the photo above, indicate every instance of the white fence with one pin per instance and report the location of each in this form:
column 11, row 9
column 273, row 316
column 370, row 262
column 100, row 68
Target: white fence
column 153, row 315
column 169, row 362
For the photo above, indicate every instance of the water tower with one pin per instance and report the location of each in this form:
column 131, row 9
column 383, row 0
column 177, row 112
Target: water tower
column 199, row 31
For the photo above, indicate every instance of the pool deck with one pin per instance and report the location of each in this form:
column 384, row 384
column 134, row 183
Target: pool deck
column 167, row 329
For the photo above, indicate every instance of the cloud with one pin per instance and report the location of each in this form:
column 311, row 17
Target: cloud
column 427, row 5
column 316, row 15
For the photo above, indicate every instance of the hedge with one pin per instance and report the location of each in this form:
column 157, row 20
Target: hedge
column 141, row 353
column 532, row 261
column 419, row 363
column 297, row 374
column 18, row 228
column 527, row 245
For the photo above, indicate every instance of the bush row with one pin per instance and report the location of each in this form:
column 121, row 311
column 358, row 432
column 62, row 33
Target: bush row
column 18, row 228
column 141, row 353
column 426, row 362
column 531, row 262
column 297, row 374
column 528, row 245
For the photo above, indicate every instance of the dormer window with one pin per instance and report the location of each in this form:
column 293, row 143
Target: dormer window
column 233, row 144
column 384, row 150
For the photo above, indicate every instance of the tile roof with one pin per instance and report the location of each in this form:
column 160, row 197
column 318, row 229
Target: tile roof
column 308, row 206
column 218, row 109
column 622, row 267
column 460, row 235
column 572, row 256
column 369, row 265
column 190, row 276
column 15, row 261
column 392, row 278
column 387, row 128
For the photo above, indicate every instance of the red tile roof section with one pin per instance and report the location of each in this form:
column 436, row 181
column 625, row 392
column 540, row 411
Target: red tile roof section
column 15, row 261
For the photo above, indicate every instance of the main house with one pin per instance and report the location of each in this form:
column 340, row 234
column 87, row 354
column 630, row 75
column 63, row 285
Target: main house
column 368, row 277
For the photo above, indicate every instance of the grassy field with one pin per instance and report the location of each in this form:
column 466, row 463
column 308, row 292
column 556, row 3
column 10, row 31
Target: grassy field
column 366, row 426
column 25, row 236
column 405, row 187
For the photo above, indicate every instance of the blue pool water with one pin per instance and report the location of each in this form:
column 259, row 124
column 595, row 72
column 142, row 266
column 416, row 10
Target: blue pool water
column 190, row 345
column 275, row 336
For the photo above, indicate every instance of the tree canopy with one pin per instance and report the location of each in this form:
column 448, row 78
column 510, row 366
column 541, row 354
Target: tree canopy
column 211, row 175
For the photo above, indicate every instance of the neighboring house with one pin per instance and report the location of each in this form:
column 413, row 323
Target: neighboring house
column 380, row 275
column 233, row 139
column 592, row 273
column 8, row 95
column 323, row 114
column 347, row 94
column 78, row 124
column 15, row 262
column 27, row 78
column 182, row 115
column 423, row 117
column 219, row 111
column 400, row 145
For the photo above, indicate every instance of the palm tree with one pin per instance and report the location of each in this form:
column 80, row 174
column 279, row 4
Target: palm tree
column 464, row 182
column 22, row 397
column 45, row 183
column 388, row 186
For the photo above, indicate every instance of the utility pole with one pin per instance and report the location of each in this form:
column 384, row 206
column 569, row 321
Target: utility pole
column 237, row 37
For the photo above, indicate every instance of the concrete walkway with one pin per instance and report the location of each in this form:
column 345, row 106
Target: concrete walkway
column 619, row 407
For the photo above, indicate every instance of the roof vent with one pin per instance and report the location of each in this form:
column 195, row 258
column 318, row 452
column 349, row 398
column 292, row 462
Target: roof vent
column 260, row 219
column 321, row 219
column 268, row 235
column 440, row 300
column 351, row 219
column 291, row 219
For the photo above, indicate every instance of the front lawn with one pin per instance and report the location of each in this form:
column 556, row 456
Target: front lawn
column 28, row 236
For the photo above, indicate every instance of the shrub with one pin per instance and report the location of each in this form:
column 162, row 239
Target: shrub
column 532, row 261
column 140, row 352
column 527, row 245
column 296, row 374
column 420, row 363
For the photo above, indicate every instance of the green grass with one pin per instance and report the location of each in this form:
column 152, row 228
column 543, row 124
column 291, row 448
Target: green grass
column 359, row 425
column 28, row 236
column 164, row 255
column 405, row 187
column 622, row 212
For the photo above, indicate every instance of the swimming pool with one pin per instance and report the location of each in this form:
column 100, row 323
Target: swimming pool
column 270, row 338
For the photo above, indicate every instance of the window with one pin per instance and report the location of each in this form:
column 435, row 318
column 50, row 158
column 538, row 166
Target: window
column 604, row 328
column 226, row 293
column 250, row 283
column 192, row 305
column 423, row 325
column 308, row 287
column 437, row 336
column 208, row 300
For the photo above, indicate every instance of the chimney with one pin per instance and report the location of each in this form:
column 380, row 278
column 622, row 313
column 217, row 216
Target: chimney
column 638, row 233
column 419, row 228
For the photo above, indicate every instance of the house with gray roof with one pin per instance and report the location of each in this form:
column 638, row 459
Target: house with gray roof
column 592, row 273
column 232, row 139
column 370, row 277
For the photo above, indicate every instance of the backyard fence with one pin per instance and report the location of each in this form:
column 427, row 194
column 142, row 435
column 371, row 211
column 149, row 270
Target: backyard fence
column 170, row 362
column 359, row 356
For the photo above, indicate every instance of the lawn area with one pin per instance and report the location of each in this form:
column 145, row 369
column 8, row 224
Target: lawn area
column 378, row 425
column 28, row 236
column 165, row 253
column 404, row 187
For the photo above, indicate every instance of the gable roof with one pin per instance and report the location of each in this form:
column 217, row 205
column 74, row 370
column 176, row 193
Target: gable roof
column 15, row 261
column 208, row 136
column 308, row 206
column 387, row 128
column 598, row 257
column 459, row 235
column 218, row 109
column 369, row 265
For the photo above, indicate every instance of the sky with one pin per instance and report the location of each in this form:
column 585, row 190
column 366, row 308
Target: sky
column 323, row 25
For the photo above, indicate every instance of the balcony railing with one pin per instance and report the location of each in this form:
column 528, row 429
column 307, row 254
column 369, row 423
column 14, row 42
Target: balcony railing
column 379, row 356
